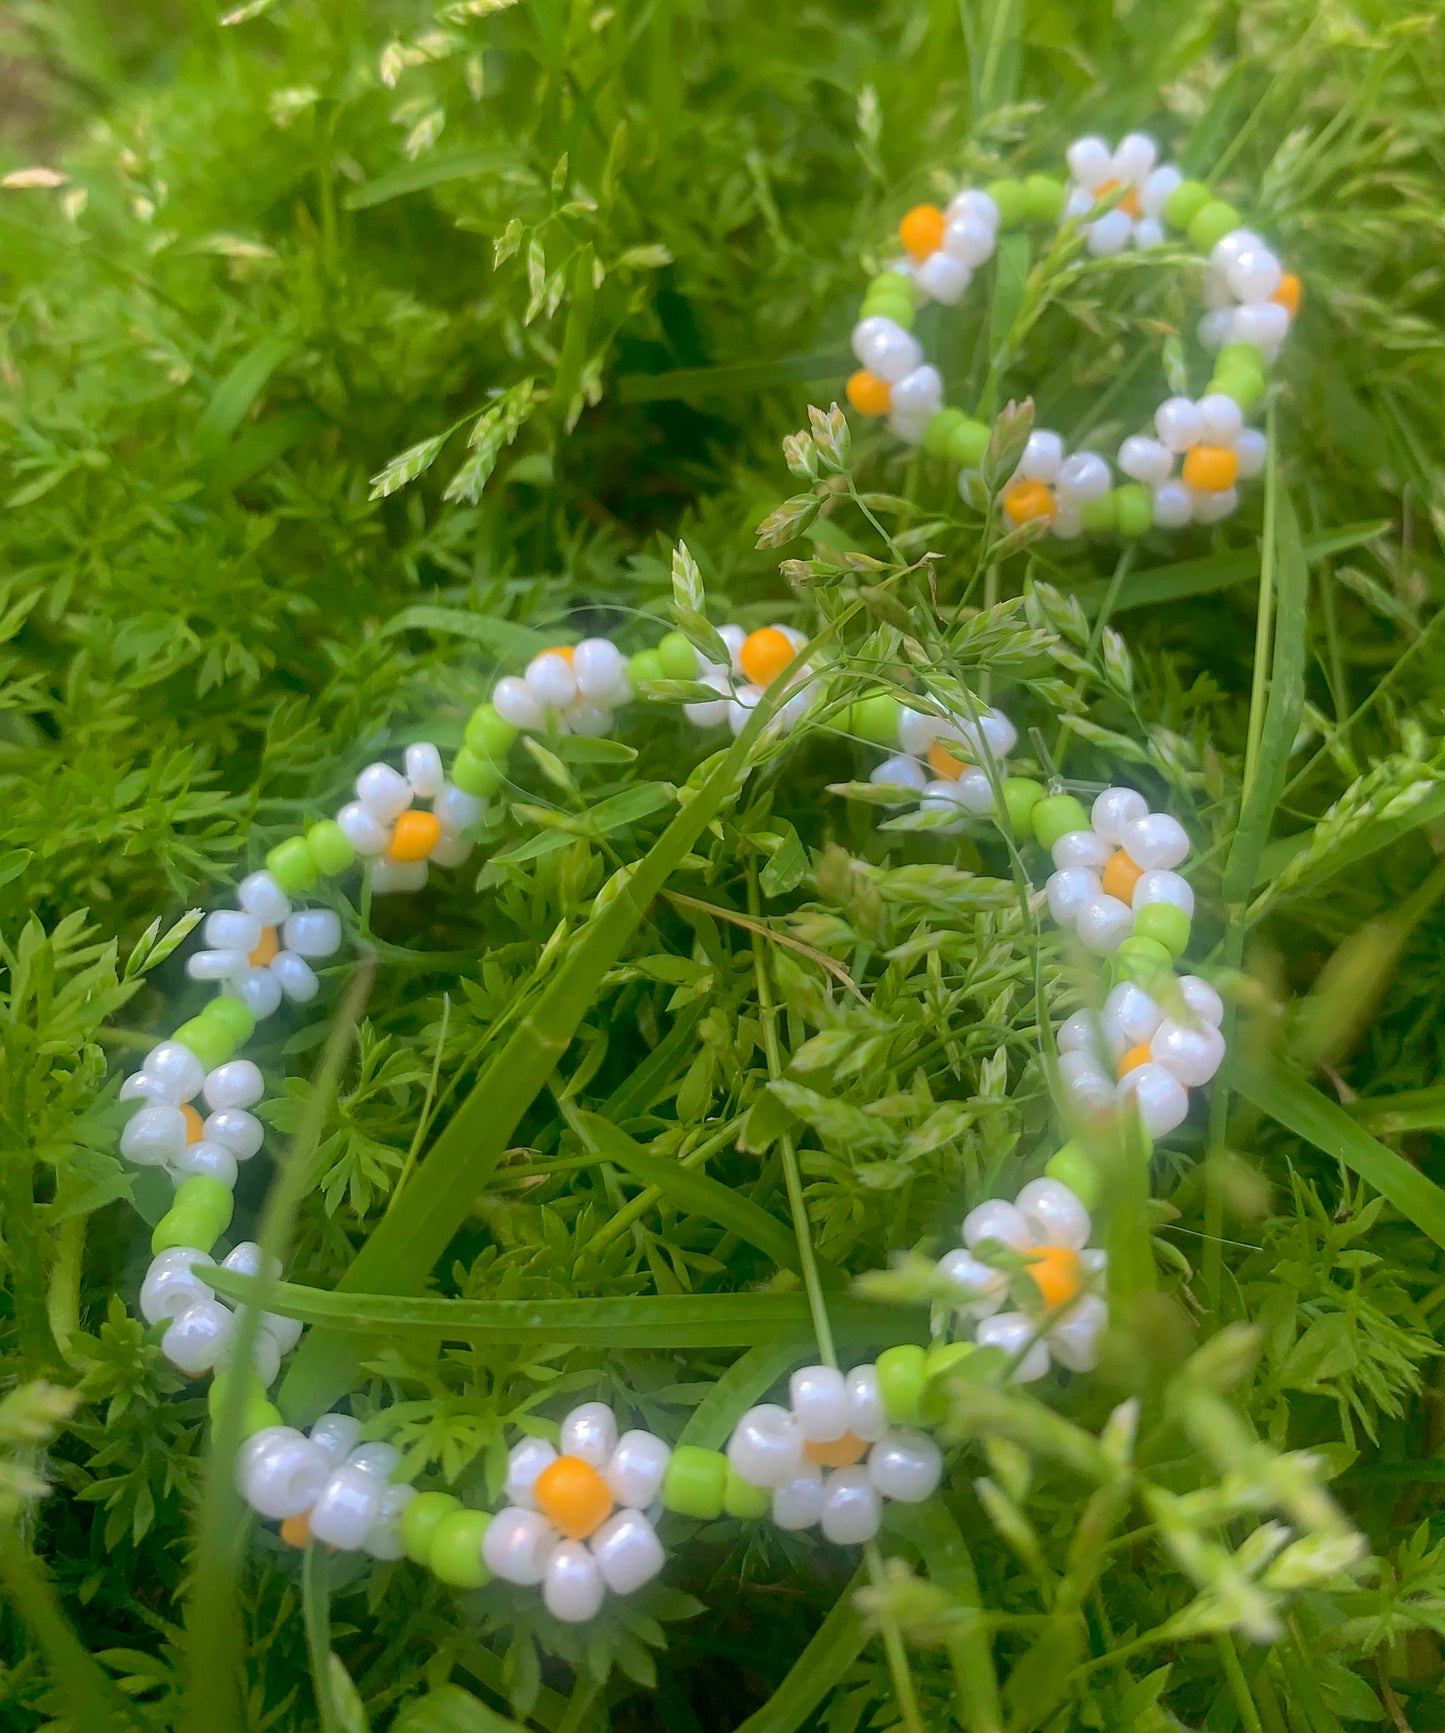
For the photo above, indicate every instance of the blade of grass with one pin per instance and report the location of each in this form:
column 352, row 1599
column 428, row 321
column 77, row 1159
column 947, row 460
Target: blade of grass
column 835, row 1645
column 949, row 1564
column 316, row 1612
column 711, row 1422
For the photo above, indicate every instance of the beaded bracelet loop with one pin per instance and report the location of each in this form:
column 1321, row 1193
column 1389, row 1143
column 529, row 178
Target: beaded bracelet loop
column 1187, row 469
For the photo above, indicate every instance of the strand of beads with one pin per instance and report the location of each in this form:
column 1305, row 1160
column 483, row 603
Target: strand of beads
column 1118, row 198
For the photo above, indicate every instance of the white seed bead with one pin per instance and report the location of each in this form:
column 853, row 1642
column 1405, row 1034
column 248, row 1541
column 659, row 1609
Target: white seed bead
column 1162, row 1100
column 213, row 1160
column 999, row 734
column 995, row 1220
column 1115, row 808
column 1229, row 247
column 1104, row 923
column 1201, row 999
column 1043, row 454
column 1222, row 418
column 1157, row 840
column 517, row 1545
column 196, row 1337
column 906, row 1466
column 706, row 714
column 1192, row 1052
column 589, row 1432
column 766, row 1447
column 171, row 1285
column 551, row 681
column 1133, row 1013
column 1079, row 202
column 942, row 797
column 1067, row 892
column 1074, row 1340
column 240, row 1131
column 456, row 810
column 867, row 1417
column 919, row 392
column 799, row 1503
column 378, row 1459
column 259, row 992
column 1085, row 1083
column 1146, row 460
column 1215, row 328
column 348, row 1505
column 910, row 425
column 237, row 1083
column 918, row 729
column 513, row 701
column 1090, row 161
column 260, row 895
column 1254, row 274
column 982, row 1289
column 1013, row 1332
column 1054, row 1215
column 852, row 1509
column 974, row 792
column 216, row 965
column 1173, row 505
column 383, row 1538
column 265, row 1356
column 313, row 933
column 944, row 277
column 742, row 704
column 280, row 1473
column 1067, row 523
column 1108, row 236
column 1264, row 327
column 285, row 1332
column 819, row 1400
column 384, row 792
column 865, row 332
column 232, row 930
column 1251, row 448
column 598, row 669
column 1148, row 233
column 525, row 1462
column 363, row 829
column 1134, row 157
column 574, row 1588
column 154, row 1136
column 1081, row 1033
column 888, row 351
column 1178, row 423
column 139, row 1087
column 449, row 850
column 628, row 1551
column 973, row 202
column 1157, row 189
column 176, row 1070
column 335, row 1435
column 295, row 976
column 424, row 770
column 395, row 877
column 900, row 772
column 1081, row 848
column 1210, row 508
column 970, row 241
column 1163, row 886
column 635, row 1469
column 1083, row 476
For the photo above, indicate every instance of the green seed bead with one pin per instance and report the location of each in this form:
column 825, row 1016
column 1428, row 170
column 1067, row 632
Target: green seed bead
column 211, row 1042
column 1021, row 794
column 1240, row 355
column 968, row 444
column 875, row 718
column 940, row 430
column 645, row 665
column 259, row 1413
column 209, row 1198
column 894, row 283
column 221, row 1384
column 1011, row 199
column 329, row 848
column 1141, row 960
column 456, row 1548
column 1211, row 223
column 1071, row 1167
column 489, row 735
column 420, row 1521
column 234, row 1016
column 1055, row 816
column 1185, row 203
column 476, row 776
column 895, row 307
column 744, row 1500
column 1133, row 509
column 1043, row 198
column 291, row 865
column 182, row 1227
column 941, row 1359
column 901, row 1378
column 1166, row 923
column 678, row 658
column 1100, row 517
column 695, row 1482
column 1244, row 387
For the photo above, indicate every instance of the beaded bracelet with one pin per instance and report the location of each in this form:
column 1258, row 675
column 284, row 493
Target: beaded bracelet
column 1113, row 200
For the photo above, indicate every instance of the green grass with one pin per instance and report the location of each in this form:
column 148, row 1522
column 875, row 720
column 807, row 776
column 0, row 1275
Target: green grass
column 358, row 349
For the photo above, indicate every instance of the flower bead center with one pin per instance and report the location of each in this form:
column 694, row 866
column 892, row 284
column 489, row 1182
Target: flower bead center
column 1134, row 1058
column 1128, row 204
column 266, row 949
column 944, row 765
column 1058, row 1274
column 836, row 1452
column 573, row 1497
column 415, row 836
column 1210, row 468
column 1120, row 876
column 195, row 1125
column 921, row 231
column 869, row 394
column 764, row 655
column 1026, row 500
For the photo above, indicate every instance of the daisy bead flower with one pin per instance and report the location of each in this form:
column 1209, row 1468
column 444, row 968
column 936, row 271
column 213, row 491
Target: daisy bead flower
column 1097, row 173
column 1115, row 879
column 262, row 951
column 572, row 688
column 1214, row 448
column 1050, row 487
column 576, row 1519
column 1251, row 297
column 169, row 1130
column 201, row 1327
column 326, row 1486
column 930, row 763
column 945, row 247
column 832, row 1456
column 1146, row 1049
column 1047, row 1226
column 398, row 837
column 757, row 660
column 893, row 378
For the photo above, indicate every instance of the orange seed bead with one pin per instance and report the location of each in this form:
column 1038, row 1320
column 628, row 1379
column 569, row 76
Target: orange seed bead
column 837, row 1452
column 1134, row 1058
column 1287, row 295
column 1026, row 500
column 565, row 651
column 1058, row 1274
column 266, row 950
column 869, row 394
column 195, row 1125
column 1120, row 877
column 944, row 765
column 765, row 654
column 296, row 1530
column 921, row 231
column 415, row 836
column 1210, row 468
column 573, row 1496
